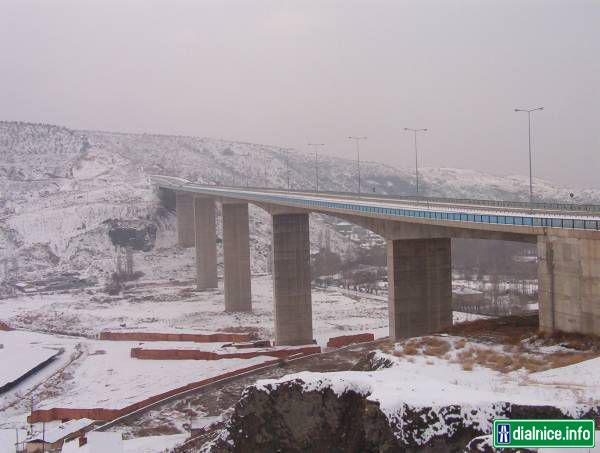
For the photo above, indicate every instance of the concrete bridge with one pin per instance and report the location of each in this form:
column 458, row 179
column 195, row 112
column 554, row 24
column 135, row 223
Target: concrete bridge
column 418, row 233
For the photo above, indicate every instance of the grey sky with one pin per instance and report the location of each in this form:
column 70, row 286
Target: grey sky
column 286, row 72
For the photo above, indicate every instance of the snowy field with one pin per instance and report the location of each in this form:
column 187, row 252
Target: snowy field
column 96, row 373
column 19, row 357
column 177, row 307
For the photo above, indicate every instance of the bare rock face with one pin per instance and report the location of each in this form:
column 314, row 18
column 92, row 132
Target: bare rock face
column 289, row 418
column 139, row 235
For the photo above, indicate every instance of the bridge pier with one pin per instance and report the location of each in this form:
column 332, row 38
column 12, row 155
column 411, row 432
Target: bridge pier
column 184, row 211
column 206, row 242
column 569, row 283
column 419, row 286
column 236, row 257
column 291, row 279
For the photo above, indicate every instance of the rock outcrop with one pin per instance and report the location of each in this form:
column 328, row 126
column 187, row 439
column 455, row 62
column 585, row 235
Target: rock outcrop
column 290, row 417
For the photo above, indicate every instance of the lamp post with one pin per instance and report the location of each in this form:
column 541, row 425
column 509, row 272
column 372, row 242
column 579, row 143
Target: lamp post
column 529, row 112
column 247, row 156
column 266, row 165
column 316, row 146
column 415, row 131
column 357, row 140
column 287, row 168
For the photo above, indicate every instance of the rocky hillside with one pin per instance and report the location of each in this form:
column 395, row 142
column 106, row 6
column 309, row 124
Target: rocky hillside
column 62, row 190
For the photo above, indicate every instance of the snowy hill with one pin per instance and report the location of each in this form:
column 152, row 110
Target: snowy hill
column 60, row 189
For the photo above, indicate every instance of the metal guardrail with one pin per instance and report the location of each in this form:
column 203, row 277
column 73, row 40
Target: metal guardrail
column 556, row 221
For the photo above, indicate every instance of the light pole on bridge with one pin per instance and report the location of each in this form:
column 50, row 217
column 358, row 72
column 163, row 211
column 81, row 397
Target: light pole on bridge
column 529, row 112
column 357, row 140
column 316, row 146
column 415, row 131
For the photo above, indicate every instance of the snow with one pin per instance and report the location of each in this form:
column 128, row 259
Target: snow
column 153, row 444
column 18, row 358
column 62, row 430
column 8, row 438
column 114, row 380
column 97, row 442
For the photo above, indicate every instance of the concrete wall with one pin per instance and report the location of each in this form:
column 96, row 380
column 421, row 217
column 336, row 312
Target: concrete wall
column 184, row 211
column 236, row 257
column 569, row 284
column 291, row 279
column 420, row 286
column 206, row 243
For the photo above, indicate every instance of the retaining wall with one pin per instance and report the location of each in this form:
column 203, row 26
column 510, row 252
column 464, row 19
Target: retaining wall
column 344, row 340
column 194, row 337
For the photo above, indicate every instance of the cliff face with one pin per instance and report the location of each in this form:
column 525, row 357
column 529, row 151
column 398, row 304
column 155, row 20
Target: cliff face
column 290, row 419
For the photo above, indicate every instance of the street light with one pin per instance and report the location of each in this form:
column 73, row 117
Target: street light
column 287, row 168
column 266, row 165
column 357, row 140
column 415, row 131
column 529, row 111
column 247, row 156
column 316, row 146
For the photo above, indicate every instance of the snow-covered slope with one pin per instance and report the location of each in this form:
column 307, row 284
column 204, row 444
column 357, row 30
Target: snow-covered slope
column 60, row 187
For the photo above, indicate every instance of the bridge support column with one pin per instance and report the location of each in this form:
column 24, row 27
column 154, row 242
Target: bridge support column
column 291, row 279
column 236, row 257
column 569, row 284
column 419, row 286
column 184, row 211
column 206, row 243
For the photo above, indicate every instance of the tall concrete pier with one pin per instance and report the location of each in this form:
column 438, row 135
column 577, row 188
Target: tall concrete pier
column 291, row 279
column 419, row 286
column 236, row 257
column 206, row 242
column 569, row 283
column 185, row 219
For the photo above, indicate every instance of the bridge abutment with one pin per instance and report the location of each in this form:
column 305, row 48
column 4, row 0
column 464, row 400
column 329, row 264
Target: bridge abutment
column 419, row 286
column 236, row 257
column 184, row 211
column 206, row 242
column 291, row 279
column 569, row 284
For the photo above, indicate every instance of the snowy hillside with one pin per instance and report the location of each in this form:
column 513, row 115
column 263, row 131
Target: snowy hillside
column 60, row 189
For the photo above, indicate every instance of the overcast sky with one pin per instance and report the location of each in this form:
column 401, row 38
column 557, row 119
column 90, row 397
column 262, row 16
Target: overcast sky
column 288, row 72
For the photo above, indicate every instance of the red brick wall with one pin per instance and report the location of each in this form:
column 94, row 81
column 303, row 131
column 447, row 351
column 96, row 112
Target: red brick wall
column 195, row 337
column 344, row 340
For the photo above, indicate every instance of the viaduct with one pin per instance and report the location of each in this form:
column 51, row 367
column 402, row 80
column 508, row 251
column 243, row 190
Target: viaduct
column 418, row 232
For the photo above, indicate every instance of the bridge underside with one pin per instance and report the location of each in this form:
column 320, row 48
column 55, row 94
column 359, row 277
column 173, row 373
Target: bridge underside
column 419, row 268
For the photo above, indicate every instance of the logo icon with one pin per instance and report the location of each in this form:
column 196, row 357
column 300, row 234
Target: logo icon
column 503, row 434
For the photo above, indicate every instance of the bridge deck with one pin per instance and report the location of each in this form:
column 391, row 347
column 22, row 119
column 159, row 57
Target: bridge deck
column 524, row 217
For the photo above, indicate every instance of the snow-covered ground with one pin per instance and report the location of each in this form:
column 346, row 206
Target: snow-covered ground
column 19, row 357
column 102, row 374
